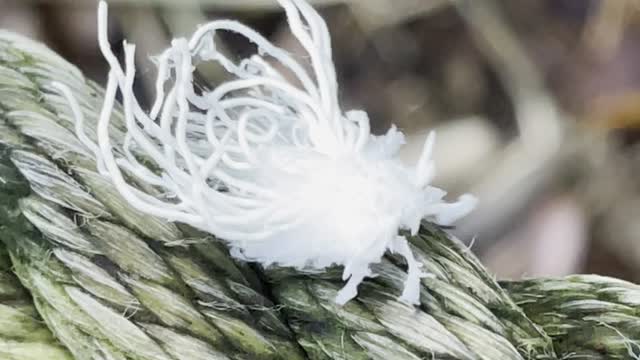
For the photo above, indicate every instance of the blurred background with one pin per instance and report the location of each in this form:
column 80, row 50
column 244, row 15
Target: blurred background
column 536, row 104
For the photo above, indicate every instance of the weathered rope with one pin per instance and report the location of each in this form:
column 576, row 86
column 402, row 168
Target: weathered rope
column 85, row 228
column 588, row 316
column 112, row 283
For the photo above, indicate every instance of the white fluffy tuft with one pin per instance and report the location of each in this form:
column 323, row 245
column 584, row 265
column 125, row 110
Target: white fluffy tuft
column 268, row 161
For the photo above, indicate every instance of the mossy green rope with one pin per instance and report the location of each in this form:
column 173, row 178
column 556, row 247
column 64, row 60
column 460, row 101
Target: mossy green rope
column 112, row 283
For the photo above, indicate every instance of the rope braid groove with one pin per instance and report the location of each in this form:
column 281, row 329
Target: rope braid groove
column 113, row 281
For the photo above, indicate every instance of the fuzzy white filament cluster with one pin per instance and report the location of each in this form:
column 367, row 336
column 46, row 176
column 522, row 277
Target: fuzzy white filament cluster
column 267, row 160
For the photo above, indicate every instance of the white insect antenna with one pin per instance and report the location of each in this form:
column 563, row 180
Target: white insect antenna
column 267, row 161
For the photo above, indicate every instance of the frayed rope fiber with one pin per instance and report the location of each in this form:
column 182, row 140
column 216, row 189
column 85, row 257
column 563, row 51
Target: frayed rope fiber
column 268, row 161
column 110, row 282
